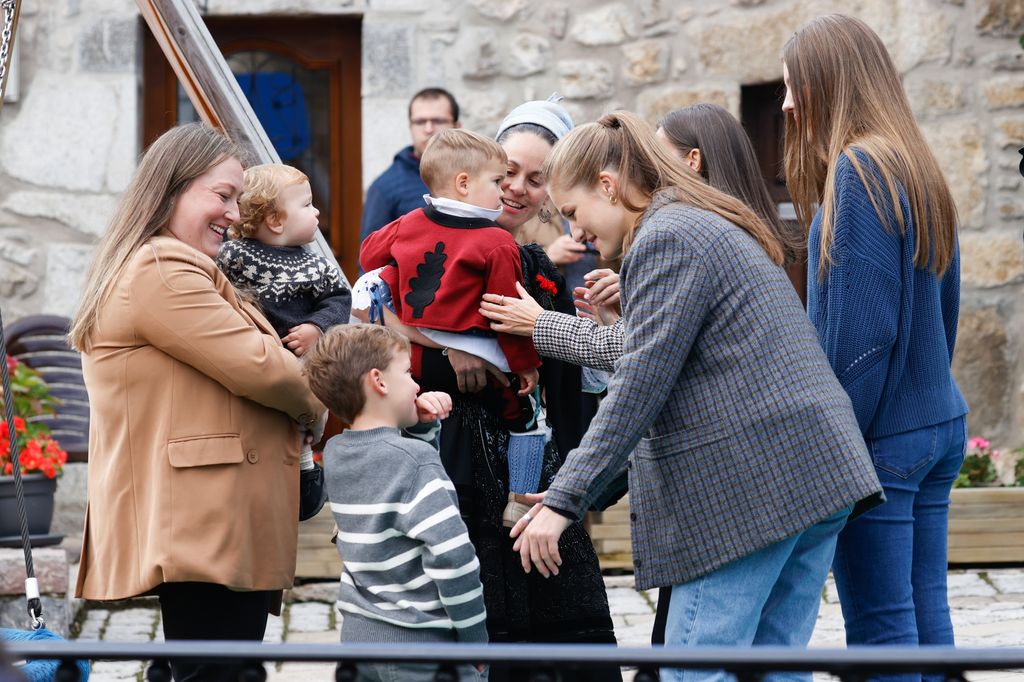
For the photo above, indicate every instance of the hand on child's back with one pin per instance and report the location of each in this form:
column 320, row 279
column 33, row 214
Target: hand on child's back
column 433, row 405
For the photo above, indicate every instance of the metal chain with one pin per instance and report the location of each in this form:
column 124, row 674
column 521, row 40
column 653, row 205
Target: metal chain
column 5, row 40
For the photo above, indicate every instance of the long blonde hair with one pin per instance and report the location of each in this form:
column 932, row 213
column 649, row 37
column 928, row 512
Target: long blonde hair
column 167, row 168
column 847, row 95
column 623, row 142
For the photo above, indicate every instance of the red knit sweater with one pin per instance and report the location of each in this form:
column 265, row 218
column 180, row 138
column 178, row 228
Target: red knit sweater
column 443, row 267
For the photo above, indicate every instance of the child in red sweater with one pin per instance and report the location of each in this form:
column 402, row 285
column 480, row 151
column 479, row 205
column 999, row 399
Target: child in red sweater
column 437, row 262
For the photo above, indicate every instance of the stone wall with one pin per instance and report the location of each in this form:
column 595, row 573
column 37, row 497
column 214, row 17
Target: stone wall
column 69, row 145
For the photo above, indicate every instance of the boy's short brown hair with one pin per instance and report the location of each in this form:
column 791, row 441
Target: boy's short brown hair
column 453, row 151
column 341, row 358
column 263, row 184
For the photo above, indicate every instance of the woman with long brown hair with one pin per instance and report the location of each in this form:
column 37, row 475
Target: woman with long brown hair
column 719, row 396
column 884, row 295
column 197, row 410
column 714, row 144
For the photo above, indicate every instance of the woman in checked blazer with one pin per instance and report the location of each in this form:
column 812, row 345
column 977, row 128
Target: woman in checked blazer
column 744, row 455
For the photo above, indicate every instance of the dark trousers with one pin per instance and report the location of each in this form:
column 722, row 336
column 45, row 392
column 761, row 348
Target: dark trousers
column 661, row 617
column 211, row 612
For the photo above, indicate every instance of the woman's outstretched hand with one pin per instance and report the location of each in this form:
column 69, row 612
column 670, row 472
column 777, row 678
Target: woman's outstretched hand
column 471, row 371
column 537, row 536
column 511, row 315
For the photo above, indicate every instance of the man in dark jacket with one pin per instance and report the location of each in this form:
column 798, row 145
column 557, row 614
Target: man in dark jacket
column 399, row 189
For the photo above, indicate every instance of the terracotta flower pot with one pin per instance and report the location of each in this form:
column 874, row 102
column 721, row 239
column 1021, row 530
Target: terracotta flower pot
column 39, row 491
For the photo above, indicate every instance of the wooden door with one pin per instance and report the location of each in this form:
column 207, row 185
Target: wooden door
column 302, row 77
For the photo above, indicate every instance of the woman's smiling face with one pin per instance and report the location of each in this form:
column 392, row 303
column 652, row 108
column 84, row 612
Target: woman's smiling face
column 523, row 192
column 208, row 206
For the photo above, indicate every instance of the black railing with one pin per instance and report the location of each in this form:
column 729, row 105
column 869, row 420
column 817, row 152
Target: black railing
column 544, row 660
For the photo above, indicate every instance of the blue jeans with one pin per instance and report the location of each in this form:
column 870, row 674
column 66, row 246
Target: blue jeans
column 890, row 564
column 768, row 598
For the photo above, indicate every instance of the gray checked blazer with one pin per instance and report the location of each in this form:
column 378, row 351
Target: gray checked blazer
column 578, row 340
column 736, row 431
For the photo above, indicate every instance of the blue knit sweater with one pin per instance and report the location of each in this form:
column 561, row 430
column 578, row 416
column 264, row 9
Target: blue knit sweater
column 395, row 192
column 887, row 327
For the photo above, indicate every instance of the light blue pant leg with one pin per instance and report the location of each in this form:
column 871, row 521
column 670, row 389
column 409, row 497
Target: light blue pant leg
column 789, row 615
column 785, row 621
column 770, row 597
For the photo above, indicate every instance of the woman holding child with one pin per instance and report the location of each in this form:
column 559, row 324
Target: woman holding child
column 197, row 409
column 744, row 455
column 572, row 607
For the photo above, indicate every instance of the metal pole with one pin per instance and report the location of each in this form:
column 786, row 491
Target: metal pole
column 11, row 12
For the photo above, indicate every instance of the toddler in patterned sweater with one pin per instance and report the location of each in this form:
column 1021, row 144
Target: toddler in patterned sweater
column 301, row 293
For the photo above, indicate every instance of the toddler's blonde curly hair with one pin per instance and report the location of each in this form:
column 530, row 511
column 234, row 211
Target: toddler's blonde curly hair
column 263, row 184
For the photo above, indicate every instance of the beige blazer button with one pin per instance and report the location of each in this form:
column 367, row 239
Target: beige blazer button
column 252, row 456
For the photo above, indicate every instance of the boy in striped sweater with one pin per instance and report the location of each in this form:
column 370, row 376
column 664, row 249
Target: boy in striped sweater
column 410, row 572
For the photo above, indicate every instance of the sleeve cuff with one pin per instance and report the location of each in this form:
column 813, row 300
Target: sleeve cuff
column 562, row 512
column 542, row 321
column 566, row 504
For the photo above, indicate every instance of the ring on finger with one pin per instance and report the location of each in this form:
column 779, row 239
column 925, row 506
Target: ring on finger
column 527, row 518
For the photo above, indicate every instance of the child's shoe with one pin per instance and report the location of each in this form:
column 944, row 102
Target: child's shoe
column 515, row 509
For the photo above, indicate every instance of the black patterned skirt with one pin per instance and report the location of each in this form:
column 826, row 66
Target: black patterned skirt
column 571, row 607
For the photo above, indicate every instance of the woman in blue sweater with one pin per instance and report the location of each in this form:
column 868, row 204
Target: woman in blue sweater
column 884, row 295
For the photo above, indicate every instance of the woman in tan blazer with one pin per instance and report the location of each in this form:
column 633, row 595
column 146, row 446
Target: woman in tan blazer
column 197, row 409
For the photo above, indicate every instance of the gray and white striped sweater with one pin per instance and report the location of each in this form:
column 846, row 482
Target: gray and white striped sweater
column 410, row 572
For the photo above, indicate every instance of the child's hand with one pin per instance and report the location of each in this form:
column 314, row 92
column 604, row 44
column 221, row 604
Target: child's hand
column 528, row 380
column 302, row 337
column 315, row 432
column 603, row 285
column 433, row 405
column 599, row 314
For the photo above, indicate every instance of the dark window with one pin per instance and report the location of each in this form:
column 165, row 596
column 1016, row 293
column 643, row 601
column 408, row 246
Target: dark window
column 761, row 115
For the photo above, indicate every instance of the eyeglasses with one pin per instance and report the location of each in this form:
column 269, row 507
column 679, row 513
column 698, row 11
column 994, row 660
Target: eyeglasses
column 436, row 122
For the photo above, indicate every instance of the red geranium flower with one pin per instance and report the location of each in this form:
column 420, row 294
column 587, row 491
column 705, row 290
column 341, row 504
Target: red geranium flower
column 547, row 285
column 38, row 451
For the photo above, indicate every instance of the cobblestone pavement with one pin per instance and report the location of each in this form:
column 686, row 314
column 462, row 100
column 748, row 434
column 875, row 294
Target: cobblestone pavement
column 987, row 606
